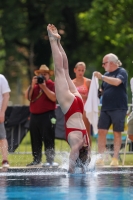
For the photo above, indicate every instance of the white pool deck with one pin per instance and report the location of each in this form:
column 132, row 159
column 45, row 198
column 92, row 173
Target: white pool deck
column 59, row 169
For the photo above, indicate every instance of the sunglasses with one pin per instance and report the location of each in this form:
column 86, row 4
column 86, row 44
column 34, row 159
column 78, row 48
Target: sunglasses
column 104, row 63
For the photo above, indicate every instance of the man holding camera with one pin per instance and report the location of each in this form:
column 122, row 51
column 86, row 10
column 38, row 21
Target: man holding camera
column 41, row 94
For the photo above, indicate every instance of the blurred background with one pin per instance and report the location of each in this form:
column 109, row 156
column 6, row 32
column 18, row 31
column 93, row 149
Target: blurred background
column 89, row 30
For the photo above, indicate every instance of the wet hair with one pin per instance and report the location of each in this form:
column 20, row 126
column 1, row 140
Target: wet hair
column 84, row 156
column 80, row 63
column 113, row 58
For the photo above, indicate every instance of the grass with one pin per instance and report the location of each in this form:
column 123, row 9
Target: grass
column 23, row 155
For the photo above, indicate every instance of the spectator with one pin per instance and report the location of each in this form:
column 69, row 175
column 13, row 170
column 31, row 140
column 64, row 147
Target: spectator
column 130, row 118
column 114, row 105
column 82, row 84
column 41, row 95
column 4, row 98
column 70, row 101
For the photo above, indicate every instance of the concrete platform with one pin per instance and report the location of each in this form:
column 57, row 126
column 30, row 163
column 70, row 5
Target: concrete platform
column 53, row 169
column 110, row 169
column 32, row 169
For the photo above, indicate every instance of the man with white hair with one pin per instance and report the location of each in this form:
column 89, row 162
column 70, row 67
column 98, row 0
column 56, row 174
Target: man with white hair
column 114, row 105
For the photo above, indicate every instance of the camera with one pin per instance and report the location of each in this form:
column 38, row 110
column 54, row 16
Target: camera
column 40, row 79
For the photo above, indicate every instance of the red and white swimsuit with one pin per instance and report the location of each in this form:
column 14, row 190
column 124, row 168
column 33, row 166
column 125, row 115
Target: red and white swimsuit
column 77, row 106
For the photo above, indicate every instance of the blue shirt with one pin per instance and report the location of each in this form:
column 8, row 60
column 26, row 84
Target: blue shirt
column 115, row 97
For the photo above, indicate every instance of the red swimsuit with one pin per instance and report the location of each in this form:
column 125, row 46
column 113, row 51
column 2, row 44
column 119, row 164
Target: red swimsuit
column 77, row 106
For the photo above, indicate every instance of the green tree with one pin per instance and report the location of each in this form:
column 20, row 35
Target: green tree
column 110, row 27
column 89, row 30
column 23, row 32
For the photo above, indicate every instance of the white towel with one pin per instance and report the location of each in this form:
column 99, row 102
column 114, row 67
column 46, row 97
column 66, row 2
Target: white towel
column 91, row 105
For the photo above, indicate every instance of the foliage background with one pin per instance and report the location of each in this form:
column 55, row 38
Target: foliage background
column 89, row 30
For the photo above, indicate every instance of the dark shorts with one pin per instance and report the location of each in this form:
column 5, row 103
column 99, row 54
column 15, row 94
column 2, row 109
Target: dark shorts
column 114, row 117
column 130, row 124
column 2, row 131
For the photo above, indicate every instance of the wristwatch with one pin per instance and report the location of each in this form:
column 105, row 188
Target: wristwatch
column 102, row 77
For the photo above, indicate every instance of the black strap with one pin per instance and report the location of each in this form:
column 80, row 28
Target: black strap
column 40, row 93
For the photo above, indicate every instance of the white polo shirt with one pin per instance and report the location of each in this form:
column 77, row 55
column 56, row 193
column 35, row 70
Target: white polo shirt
column 4, row 87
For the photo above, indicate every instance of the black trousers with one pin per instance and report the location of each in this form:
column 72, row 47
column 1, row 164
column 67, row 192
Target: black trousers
column 42, row 130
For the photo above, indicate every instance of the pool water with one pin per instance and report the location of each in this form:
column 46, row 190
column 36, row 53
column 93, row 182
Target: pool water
column 108, row 185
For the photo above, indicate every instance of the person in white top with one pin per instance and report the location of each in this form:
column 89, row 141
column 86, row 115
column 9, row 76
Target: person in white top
column 4, row 98
column 130, row 117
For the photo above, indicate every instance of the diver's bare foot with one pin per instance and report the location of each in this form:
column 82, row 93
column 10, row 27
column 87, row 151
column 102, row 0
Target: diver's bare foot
column 52, row 32
column 55, row 31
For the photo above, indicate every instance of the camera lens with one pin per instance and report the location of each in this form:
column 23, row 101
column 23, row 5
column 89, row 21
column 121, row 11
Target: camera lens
column 40, row 79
